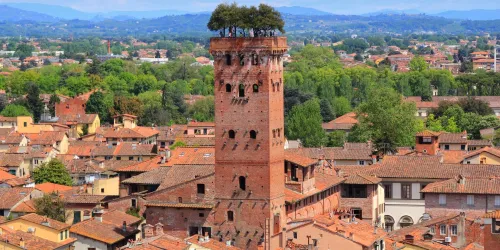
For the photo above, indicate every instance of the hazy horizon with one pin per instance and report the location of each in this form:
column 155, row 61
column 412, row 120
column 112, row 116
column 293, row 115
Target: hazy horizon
column 336, row 7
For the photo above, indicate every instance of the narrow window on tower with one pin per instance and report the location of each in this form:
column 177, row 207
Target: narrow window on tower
column 232, row 134
column 279, row 134
column 243, row 183
column 256, row 88
column 274, row 133
column 230, row 216
column 253, row 134
column 242, row 59
column 255, row 59
column 241, row 90
column 278, row 86
column 228, row 87
column 228, row 59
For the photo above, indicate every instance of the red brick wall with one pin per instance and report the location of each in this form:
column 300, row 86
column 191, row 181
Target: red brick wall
column 187, row 191
column 431, row 149
column 124, row 203
column 491, row 241
column 260, row 160
column 456, row 203
column 176, row 221
column 366, row 204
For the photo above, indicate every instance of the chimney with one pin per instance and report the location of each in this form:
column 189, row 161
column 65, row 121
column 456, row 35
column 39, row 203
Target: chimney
column 207, row 239
column 148, row 231
column 46, row 222
column 159, row 229
column 21, row 243
column 98, row 211
column 124, row 226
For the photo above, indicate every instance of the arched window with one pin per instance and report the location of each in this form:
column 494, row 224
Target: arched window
column 256, row 88
column 405, row 221
column 241, row 90
column 389, row 223
column 232, row 134
column 243, row 182
column 228, row 59
column 230, row 216
column 253, row 134
column 228, row 87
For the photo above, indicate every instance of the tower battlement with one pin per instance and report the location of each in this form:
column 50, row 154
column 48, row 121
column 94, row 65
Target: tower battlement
column 273, row 44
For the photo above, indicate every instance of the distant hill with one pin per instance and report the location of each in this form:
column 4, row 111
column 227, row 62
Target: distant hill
column 53, row 10
column 471, row 14
column 303, row 11
column 393, row 12
column 10, row 14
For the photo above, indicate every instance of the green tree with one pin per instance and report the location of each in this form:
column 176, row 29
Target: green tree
column 52, row 103
column 434, row 124
column 327, row 111
column 336, row 138
column 53, row 171
column 389, row 121
column 13, row 110
column 96, row 105
column 52, row 206
column 35, row 104
column 418, row 64
column 203, row 110
column 341, row 106
column 304, row 123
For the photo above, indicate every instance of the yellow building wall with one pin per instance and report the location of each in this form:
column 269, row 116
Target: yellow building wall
column 111, row 186
column 63, row 145
column 490, row 159
column 8, row 246
column 40, row 231
column 25, row 125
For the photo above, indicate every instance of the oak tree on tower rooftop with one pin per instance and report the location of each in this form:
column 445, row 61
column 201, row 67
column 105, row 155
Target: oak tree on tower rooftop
column 232, row 20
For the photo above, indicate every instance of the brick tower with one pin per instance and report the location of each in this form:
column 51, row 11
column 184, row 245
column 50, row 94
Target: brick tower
column 249, row 132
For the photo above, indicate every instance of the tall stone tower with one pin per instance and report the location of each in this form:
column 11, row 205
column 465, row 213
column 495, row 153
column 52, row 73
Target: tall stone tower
column 249, row 132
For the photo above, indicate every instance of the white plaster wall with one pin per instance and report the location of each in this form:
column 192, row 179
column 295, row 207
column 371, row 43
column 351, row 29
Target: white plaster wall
column 84, row 243
column 399, row 208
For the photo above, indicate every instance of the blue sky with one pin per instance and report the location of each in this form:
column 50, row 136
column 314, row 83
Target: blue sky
column 334, row 6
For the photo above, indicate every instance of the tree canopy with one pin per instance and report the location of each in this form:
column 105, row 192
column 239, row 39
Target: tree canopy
column 261, row 21
column 53, row 171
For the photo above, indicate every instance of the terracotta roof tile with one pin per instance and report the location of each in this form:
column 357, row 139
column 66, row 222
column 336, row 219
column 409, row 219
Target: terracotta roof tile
column 452, row 156
column 492, row 215
column 76, row 118
column 192, row 156
column 345, row 122
column 334, row 153
column 182, row 173
column 299, row 159
column 427, row 167
column 362, row 179
column 6, row 176
column 460, row 138
column 117, row 218
column 143, row 166
column 30, row 241
column 428, row 133
column 479, row 143
column 48, row 187
column 46, row 137
column 124, row 149
column 211, row 244
column 102, row 231
column 9, row 197
column 490, row 150
column 83, row 199
column 153, row 177
column 137, row 132
column 25, row 207
column 162, row 242
column 465, row 185
column 38, row 219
